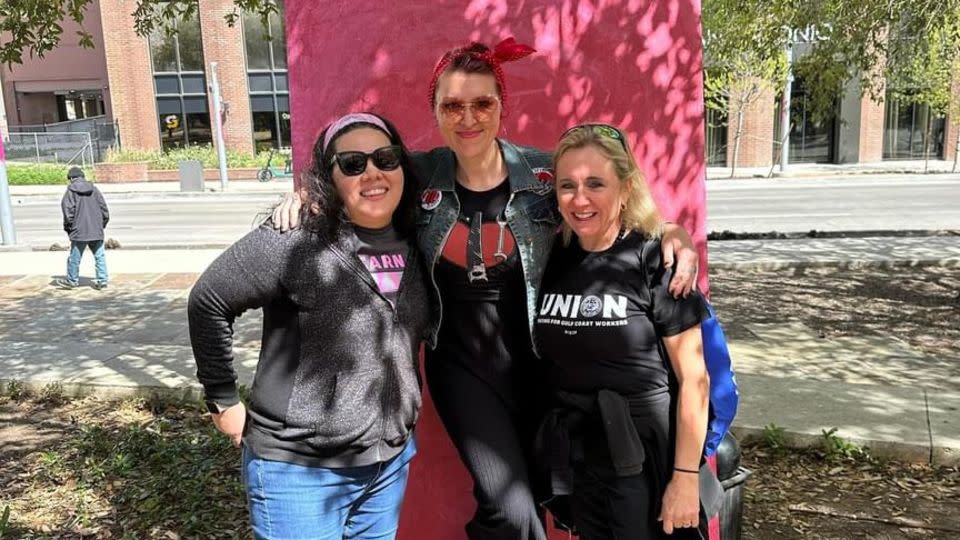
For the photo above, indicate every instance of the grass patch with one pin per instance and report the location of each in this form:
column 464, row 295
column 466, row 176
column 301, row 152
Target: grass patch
column 40, row 174
column 132, row 469
column 159, row 160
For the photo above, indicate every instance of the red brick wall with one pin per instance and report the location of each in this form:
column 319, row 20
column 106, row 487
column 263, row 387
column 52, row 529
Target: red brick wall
column 953, row 124
column 131, row 77
column 871, row 129
column 756, row 142
column 224, row 45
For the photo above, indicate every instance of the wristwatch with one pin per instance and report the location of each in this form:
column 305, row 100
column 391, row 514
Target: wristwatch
column 213, row 407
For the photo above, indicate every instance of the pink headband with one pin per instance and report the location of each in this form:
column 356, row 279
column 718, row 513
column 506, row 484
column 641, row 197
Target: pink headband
column 349, row 120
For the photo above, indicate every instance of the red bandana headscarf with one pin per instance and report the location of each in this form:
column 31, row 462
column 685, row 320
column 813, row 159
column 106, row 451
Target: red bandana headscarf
column 507, row 50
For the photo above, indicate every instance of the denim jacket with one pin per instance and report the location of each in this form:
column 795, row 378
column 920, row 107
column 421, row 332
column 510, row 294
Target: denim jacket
column 531, row 212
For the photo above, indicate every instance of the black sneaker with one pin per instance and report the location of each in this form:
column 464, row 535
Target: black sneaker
column 64, row 283
column 99, row 285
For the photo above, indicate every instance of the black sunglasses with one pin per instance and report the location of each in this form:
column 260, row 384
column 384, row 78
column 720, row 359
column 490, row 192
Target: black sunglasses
column 604, row 130
column 386, row 158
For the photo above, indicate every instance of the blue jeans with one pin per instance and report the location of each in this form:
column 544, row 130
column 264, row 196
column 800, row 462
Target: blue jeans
column 76, row 253
column 295, row 502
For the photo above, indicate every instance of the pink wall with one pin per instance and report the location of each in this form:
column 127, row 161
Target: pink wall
column 633, row 63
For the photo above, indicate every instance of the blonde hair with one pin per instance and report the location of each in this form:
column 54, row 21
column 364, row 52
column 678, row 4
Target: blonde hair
column 639, row 212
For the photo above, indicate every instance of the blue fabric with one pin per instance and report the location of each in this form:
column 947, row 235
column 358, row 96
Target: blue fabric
column 724, row 395
column 295, row 502
column 76, row 253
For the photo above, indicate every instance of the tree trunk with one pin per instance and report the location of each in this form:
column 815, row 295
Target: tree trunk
column 736, row 141
column 926, row 144
column 956, row 150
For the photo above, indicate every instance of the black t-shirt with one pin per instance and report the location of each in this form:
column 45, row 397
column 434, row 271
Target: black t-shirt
column 384, row 254
column 601, row 316
column 484, row 326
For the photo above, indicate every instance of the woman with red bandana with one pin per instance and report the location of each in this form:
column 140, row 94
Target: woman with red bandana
column 487, row 221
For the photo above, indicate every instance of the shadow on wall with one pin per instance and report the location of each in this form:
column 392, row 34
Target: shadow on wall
column 635, row 64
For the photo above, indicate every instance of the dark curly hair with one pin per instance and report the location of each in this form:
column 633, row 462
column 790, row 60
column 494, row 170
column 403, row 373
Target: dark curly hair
column 322, row 193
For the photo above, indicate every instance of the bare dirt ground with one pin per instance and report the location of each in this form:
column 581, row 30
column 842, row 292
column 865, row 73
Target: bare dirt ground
column 142, row 469
column 806, row 494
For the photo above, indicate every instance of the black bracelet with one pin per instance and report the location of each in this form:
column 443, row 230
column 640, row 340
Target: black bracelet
column 678, row 469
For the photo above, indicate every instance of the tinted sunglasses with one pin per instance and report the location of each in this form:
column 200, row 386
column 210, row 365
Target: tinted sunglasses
column 482, row 108
column 604, row 130
column 386, row 158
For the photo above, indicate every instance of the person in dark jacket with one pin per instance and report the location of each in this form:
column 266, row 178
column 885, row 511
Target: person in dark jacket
column 327, row 434
column 85, row 215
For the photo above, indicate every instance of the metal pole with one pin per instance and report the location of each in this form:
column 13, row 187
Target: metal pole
column 9, row 233
column 36, row 144
column 785, row 111
column 218, row 121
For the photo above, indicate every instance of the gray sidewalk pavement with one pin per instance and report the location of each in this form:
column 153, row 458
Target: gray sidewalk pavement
column 801, row 170
column 133, row 338
column 159, row 189
column 246, row 187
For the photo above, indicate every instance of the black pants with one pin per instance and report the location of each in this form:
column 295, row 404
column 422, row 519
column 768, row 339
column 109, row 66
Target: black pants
column 607, row 507
column 494, row 443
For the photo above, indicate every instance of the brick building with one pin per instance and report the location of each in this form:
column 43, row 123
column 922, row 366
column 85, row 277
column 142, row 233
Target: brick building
column 156, row 89
column 861, row 130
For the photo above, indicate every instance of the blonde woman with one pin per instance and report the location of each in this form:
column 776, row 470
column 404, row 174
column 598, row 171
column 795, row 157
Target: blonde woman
column 630, row 388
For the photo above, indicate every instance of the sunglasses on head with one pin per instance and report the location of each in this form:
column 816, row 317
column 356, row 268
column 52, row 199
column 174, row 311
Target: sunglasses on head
column 604, row 130
column 482, row 108
column 353, row 163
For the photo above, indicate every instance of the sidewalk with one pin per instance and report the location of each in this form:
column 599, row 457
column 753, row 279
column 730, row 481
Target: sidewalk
column 802, row 170
column 246, row 187
column 133, row 338
column 165, row 189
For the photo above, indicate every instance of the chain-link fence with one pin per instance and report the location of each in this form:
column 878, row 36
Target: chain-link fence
column 51, row 142
column 69, row 148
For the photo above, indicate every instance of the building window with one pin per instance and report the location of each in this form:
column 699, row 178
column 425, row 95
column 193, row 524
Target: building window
column 905, row 128
column 267, row 80
column 811, row 141
column 180, row 84
column 716, row 136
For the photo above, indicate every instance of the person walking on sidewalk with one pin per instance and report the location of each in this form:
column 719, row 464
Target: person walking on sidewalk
column 85, row 215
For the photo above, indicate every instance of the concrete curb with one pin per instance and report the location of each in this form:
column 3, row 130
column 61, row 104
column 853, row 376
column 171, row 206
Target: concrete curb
column 950, row 262
column 900, row 451
column 80, row 390
column 47, row 197
column 124, row 247
column 939, row 456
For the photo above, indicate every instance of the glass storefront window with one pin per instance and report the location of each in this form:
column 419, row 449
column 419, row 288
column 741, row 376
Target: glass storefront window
column 267, row 80
column 191, row 48
column 256, row 39
column 905, row 127
column 179, row 83
column 716, row 135
column 264, row 130
column 811, row 141
column 163, row 50
column 278, row 42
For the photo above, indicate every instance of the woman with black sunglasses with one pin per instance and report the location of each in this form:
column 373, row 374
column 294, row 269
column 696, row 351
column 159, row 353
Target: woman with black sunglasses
column 327, row 434
column 486, row 224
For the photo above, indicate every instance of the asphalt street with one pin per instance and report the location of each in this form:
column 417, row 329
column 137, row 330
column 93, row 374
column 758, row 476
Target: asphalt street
column 837, row 203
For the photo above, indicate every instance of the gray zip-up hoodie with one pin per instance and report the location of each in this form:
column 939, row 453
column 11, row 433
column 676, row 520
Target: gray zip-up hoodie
column 85, row 213
column 337, row 382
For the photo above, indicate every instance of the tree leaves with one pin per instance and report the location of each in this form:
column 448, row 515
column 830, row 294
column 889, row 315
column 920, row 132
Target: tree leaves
column 35, row 27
